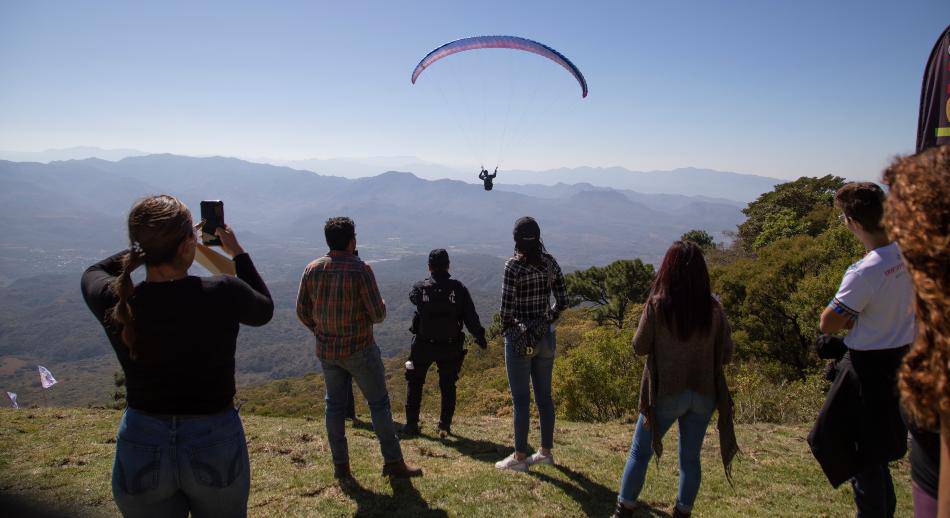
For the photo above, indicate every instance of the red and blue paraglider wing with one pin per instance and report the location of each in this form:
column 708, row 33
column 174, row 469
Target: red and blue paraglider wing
column 500, row 42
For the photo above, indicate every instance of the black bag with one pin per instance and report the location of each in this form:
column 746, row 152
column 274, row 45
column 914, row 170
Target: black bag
column 525, row 336
column 438, row 313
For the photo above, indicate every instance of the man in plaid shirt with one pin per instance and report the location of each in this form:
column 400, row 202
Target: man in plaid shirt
column 339, row 302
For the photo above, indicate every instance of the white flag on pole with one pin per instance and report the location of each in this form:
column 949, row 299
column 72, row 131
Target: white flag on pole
column 12, row 397
column 46, row 377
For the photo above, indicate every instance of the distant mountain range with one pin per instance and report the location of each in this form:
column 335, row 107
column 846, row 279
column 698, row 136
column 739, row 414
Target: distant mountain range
column 684, row 181
column 80, row 205
column 60, row 217
column 70, row 153
column 687, row 181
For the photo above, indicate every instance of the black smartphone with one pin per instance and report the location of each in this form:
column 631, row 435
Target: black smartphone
column 212, row 212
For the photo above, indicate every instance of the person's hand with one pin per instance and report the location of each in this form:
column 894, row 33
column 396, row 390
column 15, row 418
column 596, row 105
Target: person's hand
column 229, row 242
column 482, row 343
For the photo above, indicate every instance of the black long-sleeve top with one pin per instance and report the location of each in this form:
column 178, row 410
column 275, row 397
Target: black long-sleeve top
column 186, row 334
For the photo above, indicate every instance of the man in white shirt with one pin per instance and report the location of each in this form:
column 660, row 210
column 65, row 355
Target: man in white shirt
column 874, row 301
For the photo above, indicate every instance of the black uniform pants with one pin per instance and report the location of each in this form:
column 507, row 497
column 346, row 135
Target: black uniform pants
column 448, row 357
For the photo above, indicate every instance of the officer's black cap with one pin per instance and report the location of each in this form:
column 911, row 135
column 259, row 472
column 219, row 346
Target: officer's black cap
column 439, row 258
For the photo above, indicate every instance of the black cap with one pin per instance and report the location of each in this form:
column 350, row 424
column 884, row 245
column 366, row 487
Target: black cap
column 439, row 258
column 526, row 228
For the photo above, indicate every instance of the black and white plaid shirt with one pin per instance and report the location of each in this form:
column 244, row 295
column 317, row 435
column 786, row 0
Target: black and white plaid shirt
column 526, row 290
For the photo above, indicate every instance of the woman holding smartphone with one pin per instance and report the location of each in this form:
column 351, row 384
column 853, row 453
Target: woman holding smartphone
column 180, row 447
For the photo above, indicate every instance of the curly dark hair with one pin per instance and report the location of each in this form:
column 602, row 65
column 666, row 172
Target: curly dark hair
column 339, row 232
column 863, row 202
column 917, row 216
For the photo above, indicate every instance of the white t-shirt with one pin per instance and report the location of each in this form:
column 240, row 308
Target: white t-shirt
column 877, row 293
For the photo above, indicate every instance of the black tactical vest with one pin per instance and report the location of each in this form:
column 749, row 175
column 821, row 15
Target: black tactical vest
column 439, row 308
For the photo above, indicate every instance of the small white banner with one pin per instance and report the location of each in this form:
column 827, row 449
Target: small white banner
column 46, row 377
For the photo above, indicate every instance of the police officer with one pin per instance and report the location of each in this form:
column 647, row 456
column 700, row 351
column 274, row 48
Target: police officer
column 443, row 305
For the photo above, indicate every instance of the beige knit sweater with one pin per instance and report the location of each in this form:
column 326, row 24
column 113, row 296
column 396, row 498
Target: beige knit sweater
column 681, row 364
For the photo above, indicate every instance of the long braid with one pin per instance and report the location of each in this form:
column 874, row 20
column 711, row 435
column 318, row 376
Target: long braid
column 122, row 316
column 157, row 226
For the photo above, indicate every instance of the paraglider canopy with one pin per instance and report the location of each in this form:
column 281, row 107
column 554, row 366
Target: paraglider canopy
column 508, row 126
column 500, row 42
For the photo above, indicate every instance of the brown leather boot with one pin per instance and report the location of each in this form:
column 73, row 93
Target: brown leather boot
column 342, row 471
column 679, row 514
column 400, row 469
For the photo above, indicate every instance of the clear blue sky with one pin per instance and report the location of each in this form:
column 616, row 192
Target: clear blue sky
column 780, row 88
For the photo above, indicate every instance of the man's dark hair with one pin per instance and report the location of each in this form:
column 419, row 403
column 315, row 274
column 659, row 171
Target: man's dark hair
column 439, row 260
column 339, row 232
column 863, row 202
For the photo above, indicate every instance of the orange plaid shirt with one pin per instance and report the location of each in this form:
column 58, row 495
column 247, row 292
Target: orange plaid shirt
column 339, row 302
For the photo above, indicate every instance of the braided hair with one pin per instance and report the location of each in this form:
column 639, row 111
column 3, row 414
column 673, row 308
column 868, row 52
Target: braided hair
column 157, row 226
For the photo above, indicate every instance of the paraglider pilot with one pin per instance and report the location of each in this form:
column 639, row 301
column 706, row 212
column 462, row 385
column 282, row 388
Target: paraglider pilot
column 487, row 178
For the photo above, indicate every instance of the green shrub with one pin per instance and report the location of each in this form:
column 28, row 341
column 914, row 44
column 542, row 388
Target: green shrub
column 599, row 379
column 762, row 397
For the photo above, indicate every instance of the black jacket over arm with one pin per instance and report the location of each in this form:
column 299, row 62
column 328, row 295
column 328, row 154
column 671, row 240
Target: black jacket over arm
column 860, row 424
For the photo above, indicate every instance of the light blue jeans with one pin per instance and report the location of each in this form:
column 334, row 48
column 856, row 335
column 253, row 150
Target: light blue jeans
column 170, row 467
column 366, row 368
column 523, row 374
column 693, row 412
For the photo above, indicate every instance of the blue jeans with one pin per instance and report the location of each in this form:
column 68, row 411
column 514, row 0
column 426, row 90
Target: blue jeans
column 170, row 467
column 693, row 412
column 366, row 368
column 523, row 373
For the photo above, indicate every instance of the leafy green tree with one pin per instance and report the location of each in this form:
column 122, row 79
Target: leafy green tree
column 700, row 237
column 774, row 300
column 802, row 207
column 612, row 289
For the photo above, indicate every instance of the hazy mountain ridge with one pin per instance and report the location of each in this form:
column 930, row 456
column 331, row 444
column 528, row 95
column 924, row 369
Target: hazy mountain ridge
column 61, row 217
column 689, row 181
column 81, row 205
column 70, row 153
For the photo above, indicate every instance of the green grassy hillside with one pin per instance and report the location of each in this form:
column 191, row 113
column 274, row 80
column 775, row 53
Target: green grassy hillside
column 61, row 459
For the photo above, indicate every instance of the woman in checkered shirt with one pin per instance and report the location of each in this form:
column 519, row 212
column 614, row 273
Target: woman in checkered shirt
column 532, row 276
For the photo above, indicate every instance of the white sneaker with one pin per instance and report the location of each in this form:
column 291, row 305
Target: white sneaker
column 512, row 463
column 539, row 458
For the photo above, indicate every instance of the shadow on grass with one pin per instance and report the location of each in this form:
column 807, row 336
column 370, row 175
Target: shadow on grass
column 481, row 450
column 29, row 506
column 595, row 498
column 405, row 500
column 361, row 424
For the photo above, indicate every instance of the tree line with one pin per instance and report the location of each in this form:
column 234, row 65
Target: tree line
column 779, row 271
